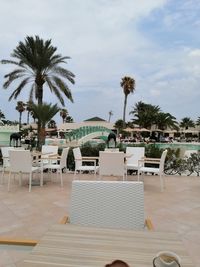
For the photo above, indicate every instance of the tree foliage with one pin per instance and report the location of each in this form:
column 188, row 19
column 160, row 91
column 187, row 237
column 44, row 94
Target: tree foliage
column 37, row 64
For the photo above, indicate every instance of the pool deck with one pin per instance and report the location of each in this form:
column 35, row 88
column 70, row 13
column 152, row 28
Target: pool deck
column 29, row 215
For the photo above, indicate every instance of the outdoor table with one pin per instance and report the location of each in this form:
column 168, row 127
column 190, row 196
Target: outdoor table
column 79, row 246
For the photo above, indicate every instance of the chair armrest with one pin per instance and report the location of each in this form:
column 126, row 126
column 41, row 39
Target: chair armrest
column 149, row 224
column 152, row 159
column 91, row 158
column 148, row 160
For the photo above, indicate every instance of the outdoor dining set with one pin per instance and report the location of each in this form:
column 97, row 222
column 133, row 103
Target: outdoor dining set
column 106, row 219
column 111, row 162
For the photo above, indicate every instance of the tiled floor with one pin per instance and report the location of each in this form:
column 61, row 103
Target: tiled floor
column 29, row 215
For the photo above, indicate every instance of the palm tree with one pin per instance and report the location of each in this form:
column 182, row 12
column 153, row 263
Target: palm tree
column 29, row 109
column 144, row 114
column 2, row 116
column 69, row 119
column 198, row 121
column 20, row 108
column 51, row 124
column 110, row 113
column 128, row 85
column 187, row 122
column 44, row 113
column 166, row 120
column 37, row 64
column 119, row 125
column 63, row 114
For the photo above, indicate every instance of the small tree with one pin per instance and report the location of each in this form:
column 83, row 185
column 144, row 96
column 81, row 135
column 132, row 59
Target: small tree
column 63, row 114
column 20, row 108
column 44, row 113
column 119, row 125
column 187, row 122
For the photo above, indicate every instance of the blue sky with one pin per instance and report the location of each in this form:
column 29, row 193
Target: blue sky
column 156, row 42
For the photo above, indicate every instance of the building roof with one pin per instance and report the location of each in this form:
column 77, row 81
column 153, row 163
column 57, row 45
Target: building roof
column 94, row 119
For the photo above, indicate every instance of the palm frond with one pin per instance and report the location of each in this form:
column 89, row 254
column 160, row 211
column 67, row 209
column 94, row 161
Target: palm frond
column 4, row 61
column 65, row 73
column 11, row 79
column 18, row 90
column 63, row 87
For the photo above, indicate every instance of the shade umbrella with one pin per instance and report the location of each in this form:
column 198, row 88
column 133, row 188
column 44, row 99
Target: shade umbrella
column 128, row 130
column 140, row 130
column 170, row 131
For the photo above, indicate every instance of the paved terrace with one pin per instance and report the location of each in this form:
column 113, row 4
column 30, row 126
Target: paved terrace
column 29, row 215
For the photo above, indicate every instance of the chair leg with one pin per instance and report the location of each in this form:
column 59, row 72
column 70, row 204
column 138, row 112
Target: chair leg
column 61, row 178
column 2, row 176
column 30, row 181
column 41, row 177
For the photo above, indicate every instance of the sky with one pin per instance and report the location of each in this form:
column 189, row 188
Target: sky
column 156, row 42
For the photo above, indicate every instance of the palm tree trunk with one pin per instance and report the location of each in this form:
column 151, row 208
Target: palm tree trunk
column 40, row 101
column 40, row 95
column 28, row 117
column 20, row 120
column 124, row 112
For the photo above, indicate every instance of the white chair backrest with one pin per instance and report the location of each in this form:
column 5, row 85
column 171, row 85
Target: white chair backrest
column 20, row 161
column 49, row 149
column 111, row 163
column 111, row 149
column 4, row 151
column 188, row 153
column 137, row 154
column 162, row 160
column 63, row 160
column 5, row 155
column 77, row 157
column 109, row 204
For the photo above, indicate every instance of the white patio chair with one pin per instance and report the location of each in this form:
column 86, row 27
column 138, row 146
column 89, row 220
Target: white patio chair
column 156, row 170
column 6, row 160
column 79, row 160
column 20, row 163
column 137, row 153
column 111, row 163
column 47, row 151
column 109, row 204
column 60, row 164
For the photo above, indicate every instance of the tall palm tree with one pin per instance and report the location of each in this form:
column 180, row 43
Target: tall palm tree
column 187, row 122
column 20, row 108
column 43, row 112
column 63, row 114
column 110, row 113
column 38, row 64
column 29, row 109
column 128, row 85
